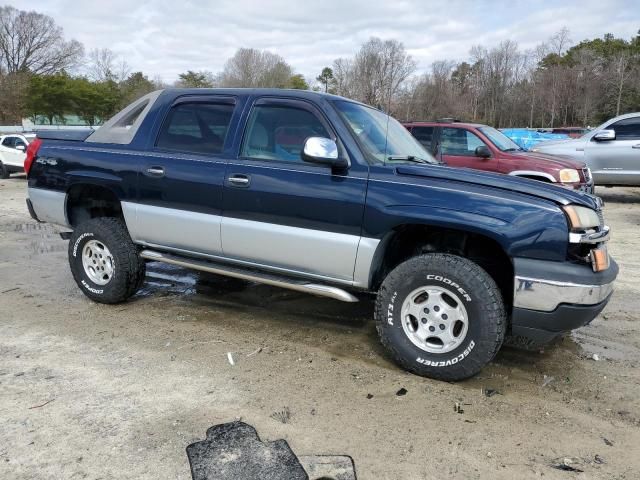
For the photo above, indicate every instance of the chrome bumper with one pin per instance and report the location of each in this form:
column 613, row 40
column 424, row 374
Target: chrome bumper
column 546, row 295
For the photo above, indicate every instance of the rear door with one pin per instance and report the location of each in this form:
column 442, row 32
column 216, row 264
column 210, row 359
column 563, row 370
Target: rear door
column 458, row 149
column 286, row 214
column 616, row 162
column 181, row 178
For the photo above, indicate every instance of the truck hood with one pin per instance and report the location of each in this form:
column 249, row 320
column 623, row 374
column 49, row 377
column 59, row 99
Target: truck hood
column 545, row 161
column 534, row 188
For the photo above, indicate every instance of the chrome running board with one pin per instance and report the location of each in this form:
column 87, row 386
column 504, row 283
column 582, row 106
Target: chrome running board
column 250, row 275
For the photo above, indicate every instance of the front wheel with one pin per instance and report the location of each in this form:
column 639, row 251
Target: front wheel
column 441, row 316
column 104, row 261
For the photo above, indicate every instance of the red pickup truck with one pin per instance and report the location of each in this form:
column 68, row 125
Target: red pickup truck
column 481, row 147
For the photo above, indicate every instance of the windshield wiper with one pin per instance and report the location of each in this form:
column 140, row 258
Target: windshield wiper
column 410, row 158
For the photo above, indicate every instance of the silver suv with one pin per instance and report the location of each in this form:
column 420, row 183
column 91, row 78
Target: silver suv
column 611, row 151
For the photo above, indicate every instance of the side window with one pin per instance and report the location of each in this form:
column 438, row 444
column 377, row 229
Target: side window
column 9, row 142
column 196, row 128
column 424, row 135
column 627, row 129
column 20, row 142
column 279, row 132
column 457, row 141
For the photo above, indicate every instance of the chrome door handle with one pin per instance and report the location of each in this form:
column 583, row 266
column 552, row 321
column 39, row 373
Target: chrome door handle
column 156, row 171
column 239, row 180
column 636, row 145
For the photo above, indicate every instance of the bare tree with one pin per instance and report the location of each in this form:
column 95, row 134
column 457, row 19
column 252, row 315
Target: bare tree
column 32, row 42
column 375, row 74
column 255, row 68
column 104, row 65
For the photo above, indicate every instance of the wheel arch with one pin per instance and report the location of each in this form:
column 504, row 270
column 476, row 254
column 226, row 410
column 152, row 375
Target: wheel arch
column 411, row 239
column 534, row 175
column 91, row 199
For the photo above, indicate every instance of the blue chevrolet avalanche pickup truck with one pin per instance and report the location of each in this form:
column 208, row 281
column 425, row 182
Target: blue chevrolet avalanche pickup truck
column 325, row 195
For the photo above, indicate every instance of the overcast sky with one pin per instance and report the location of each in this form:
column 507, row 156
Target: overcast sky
column 165, row 37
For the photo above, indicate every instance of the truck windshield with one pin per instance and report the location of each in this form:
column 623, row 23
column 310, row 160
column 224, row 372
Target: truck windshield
column 383, row 138
column 500, row 140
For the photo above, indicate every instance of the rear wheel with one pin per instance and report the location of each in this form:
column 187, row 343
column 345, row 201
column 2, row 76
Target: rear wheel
column 4, row 171
column 441, row 316
column 104, row 261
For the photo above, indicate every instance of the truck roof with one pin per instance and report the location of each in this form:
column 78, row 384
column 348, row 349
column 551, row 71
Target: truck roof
column 438, row 123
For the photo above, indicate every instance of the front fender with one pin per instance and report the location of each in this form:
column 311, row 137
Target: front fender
column 524, row 226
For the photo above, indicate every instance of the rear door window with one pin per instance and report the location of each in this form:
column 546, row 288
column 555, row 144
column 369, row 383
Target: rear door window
column 9, row 142
column 627, row 129
column 424, row 135
column 457, row 141
column 196, row 128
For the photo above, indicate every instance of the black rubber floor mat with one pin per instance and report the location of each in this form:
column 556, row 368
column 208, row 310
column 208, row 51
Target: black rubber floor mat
column 233, row 451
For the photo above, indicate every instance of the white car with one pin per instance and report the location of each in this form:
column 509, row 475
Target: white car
column 611, row 151
column 13, row 150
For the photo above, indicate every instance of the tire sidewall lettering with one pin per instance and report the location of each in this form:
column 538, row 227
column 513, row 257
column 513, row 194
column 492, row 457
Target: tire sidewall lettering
column 78, row 240
column 451, row 283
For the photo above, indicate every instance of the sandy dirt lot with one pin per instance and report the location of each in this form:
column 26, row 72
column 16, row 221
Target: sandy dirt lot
column 118, row 392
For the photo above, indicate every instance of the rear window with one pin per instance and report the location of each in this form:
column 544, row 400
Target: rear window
column 124, row 125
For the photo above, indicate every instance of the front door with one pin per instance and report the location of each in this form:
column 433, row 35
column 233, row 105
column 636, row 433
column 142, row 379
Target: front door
column 181, row 179
column 616, row 162
column 458, row 149
column 283, row 213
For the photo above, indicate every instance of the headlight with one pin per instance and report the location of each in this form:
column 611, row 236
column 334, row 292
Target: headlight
column 569, row 175
column 581, row 218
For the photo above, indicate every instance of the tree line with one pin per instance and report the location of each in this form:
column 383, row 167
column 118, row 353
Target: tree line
column 42, row 74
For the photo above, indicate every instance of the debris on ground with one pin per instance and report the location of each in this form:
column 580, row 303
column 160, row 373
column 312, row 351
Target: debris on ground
column 257, row 350
column 369, row 396
column 401, row 392
column 490, row 392
column 233, row 451
column 567, row 464
column 230, row 358
column 607, row 442
column 457, row 408
column 282, row 416
column 547, row 380
column 597, row 459
column 595, row 357
column 334, row 467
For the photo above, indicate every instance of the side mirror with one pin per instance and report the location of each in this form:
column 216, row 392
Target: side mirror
column 20, row 147
column 323, row 151
column 605, row 135
column 483, row 151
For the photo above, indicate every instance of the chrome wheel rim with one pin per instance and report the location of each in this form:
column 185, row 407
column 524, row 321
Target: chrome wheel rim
column 434, row 319
column 97, row 262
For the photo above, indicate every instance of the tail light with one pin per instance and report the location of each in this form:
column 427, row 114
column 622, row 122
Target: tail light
column 32, row 151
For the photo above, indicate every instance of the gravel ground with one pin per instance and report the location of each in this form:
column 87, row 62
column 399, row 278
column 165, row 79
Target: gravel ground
column 116, row 392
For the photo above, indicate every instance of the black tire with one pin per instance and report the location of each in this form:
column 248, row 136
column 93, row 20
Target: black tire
column 128, row 268
column 4, row 171
column 476, row 291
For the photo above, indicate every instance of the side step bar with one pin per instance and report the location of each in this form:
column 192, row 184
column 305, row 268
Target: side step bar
column 277, row 281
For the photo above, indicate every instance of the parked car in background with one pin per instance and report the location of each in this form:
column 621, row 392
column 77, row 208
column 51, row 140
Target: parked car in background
column 481, row 147
column 612, row 150
column 323, row 195
column 573, row 132
column 13, row 150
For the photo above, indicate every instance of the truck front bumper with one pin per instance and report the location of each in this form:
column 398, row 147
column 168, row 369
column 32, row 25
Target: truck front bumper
column 551, row 298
